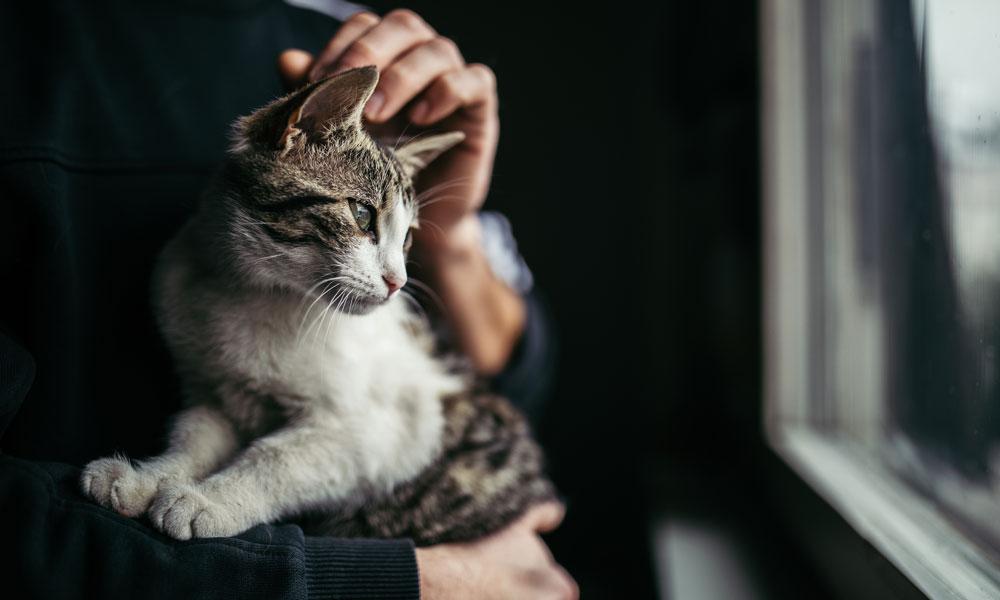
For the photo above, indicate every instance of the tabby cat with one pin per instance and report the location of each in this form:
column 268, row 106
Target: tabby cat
column 312, row 389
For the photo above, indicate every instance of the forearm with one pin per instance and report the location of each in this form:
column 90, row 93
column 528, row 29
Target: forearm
column 62, row 546
column 486, row 315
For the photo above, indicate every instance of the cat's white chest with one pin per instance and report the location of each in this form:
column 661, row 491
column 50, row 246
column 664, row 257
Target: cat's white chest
column 373, row 385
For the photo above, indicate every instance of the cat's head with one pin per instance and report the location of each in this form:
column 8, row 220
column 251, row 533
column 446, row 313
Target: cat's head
column 309, row 202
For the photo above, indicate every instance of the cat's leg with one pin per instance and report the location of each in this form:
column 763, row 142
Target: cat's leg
column 201, row 438
column 291, row 469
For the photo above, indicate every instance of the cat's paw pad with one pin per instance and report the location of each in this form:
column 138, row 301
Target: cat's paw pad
column 132, row 492
column 100, row 475
column 114, row 483
column 183, row 512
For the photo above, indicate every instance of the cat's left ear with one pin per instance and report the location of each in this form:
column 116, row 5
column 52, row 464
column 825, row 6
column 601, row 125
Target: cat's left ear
column 309, row 113
column 335, row 102
column 419, row 152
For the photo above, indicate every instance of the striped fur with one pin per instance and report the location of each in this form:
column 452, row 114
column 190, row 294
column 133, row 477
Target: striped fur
column 488, row 472
column 312, row 389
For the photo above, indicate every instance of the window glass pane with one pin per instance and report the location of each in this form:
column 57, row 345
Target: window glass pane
column 883, row 177
column 947, row 402
column 902, row 129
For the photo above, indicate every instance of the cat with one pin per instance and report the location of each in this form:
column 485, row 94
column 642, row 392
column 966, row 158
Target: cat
column 312, row 388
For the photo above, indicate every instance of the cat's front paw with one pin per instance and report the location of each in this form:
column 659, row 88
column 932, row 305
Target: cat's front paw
column 183, row 511
column 114, row 483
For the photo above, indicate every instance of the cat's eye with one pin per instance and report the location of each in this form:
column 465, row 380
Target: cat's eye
column 364, row 215
column 408, row 241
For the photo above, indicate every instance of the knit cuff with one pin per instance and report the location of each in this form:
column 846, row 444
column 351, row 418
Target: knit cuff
column 360, row 568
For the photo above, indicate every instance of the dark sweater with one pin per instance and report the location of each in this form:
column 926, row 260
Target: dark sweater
column 112, row 117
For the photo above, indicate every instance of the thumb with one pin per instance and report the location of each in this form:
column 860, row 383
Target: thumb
column 544, row 517
column 293, row 65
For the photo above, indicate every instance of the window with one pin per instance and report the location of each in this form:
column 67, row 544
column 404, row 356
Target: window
column 881, row 162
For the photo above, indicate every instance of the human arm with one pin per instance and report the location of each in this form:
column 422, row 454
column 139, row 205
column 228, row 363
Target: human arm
column 425, row 82
column 62, row 546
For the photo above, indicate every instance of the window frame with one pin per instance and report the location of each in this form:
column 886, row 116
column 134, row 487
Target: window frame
column 903, row 526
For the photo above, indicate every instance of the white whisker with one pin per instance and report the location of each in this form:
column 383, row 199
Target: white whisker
column 437, row 228
column 415, row 304
column 267, row 258
column 444, row 185
column 426, row 289
column 437, row 199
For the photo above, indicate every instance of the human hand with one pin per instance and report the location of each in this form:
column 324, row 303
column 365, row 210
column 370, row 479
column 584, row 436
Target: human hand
column 513, row 563
column 424, row 82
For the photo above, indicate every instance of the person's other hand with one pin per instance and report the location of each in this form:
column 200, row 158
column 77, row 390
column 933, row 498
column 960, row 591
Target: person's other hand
column 511, row 564
column 424, row 82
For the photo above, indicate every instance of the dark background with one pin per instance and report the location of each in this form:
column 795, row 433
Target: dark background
column 628, row 164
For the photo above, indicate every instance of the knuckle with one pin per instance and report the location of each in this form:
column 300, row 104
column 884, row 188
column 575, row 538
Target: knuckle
column 446, row 46
column 485, row 75
column 360, row 53
column 363, row 18
column 406, row 18
column 399, row 76
column 451, row 88
column 568, row 588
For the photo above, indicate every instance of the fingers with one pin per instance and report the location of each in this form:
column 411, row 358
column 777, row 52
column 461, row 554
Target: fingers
column 379, row 44
column 470, row 86
column 408, row 76
column 544, row 517
column 293, row 65
column 552, row 582
column 566, row 586
column 352, row 29
column 417, row 67
column 550, row 576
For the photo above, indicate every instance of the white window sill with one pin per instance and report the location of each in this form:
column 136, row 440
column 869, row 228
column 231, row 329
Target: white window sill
column 902, row 525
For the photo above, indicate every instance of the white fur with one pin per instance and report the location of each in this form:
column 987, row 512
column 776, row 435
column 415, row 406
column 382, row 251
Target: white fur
column 301, row 397
column 362, row 395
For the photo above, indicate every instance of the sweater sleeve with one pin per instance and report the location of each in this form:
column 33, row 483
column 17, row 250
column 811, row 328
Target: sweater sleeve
column 527, row 377
column 61, row 545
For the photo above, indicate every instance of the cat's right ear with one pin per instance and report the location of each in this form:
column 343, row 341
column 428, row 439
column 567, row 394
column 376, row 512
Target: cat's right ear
column 310, row 113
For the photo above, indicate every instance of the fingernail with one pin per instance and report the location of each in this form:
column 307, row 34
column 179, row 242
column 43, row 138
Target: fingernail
column 374, row 104
column 419, row 111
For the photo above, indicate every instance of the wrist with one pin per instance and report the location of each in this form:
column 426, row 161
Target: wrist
column 427, row 566
column 460, row 243
column 440, row 573
column 487, row 314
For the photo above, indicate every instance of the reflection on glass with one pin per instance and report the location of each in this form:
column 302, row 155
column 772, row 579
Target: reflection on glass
column 884, row 190
column 962, row 61
column 959, row 45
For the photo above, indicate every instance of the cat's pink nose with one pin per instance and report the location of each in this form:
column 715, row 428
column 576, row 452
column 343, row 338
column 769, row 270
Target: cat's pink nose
column 393, row 284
